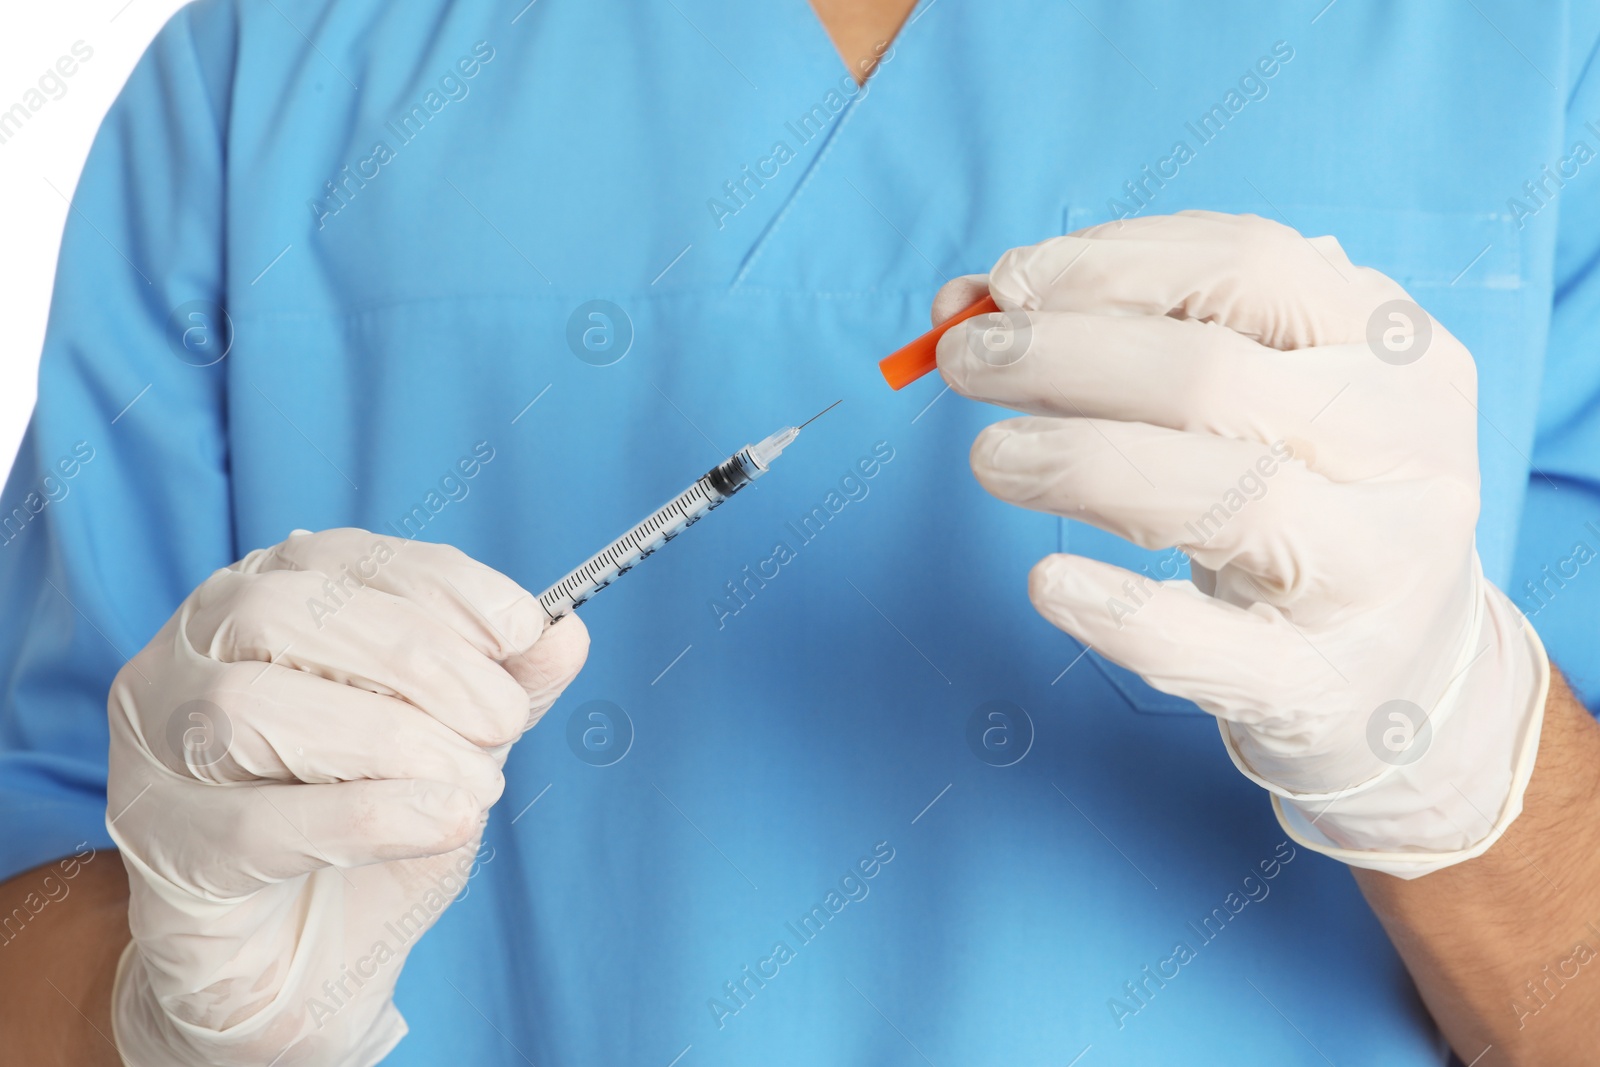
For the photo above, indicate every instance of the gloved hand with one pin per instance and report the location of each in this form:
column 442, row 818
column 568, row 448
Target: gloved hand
column 302, row 762
column 1307, row 436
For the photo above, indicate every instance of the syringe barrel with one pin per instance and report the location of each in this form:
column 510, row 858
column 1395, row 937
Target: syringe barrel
column 659, row 527
column 734, row 473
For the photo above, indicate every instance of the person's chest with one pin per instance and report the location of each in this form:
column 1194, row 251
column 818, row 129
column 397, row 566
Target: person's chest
column 762, row 225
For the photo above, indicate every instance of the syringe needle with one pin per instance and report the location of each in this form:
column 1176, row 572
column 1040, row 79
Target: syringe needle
column 821, row 413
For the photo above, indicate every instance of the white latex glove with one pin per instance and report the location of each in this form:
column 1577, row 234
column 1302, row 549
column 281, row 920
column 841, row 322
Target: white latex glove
column 290, row 787
column 1307, row 436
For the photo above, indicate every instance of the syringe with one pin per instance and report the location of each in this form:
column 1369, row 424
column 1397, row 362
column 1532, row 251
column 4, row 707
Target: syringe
column 669, row 520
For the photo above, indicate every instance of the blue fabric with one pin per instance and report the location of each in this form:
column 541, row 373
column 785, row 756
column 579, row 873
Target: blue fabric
column 794, row 719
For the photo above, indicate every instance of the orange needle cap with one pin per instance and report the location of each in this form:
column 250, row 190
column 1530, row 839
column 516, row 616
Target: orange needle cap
column 921, row 356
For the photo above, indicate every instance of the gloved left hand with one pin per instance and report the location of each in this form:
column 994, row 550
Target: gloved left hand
column 302, row 762
column 1307, row 435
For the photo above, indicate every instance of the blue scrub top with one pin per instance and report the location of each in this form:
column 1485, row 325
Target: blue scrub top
column 829, row 790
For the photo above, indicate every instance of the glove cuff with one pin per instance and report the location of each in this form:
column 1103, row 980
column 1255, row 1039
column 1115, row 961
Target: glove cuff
column 147, row 1036
column 1455, row 801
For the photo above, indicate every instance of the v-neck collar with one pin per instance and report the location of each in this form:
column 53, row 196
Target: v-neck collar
column 887, row 41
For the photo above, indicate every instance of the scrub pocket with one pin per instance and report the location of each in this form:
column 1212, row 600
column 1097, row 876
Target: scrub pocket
column 1466, row 271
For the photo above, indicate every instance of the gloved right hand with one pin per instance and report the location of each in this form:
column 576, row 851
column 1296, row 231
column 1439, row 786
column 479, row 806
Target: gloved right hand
column 302, row 762
column 1338, row 622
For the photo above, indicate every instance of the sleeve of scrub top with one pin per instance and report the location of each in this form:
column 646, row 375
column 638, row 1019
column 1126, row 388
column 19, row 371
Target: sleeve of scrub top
column 1557, row 573
column 118, row 503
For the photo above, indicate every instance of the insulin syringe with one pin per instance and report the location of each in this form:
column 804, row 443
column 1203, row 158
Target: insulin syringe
column 669, row 520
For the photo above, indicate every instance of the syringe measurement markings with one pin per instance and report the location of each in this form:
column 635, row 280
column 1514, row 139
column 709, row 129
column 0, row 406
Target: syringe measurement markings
column 635, row 539
column 703, row 496
column 647, row 536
